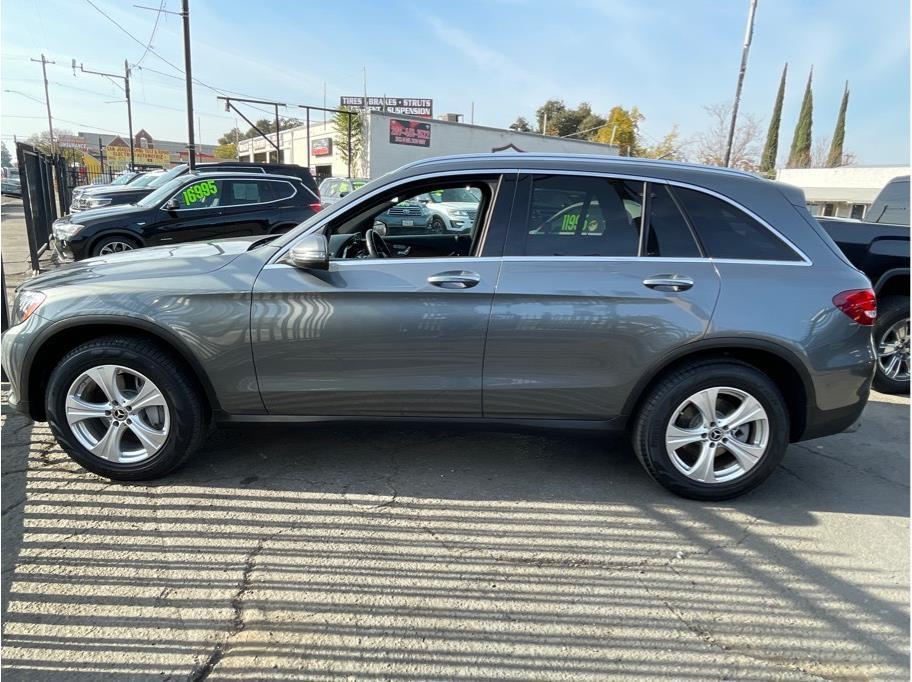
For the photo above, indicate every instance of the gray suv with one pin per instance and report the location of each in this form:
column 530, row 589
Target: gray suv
column 702, row 310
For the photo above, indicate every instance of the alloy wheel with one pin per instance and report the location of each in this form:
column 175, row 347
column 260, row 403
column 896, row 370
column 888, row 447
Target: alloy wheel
column 114, row 247
column 117, row 414
column 717, row 435
column 893, row 351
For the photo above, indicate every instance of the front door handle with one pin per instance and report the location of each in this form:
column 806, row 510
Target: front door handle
column 668, row 282
column 455, row 279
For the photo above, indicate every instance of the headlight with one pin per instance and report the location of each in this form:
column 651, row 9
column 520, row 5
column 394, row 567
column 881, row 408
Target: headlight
column 98, row 203
column 459, row 213
column 65, row 231
column 26, row 303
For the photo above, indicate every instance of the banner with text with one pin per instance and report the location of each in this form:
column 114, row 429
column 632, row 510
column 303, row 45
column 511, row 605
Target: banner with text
column 405, row 106
column 414, row 133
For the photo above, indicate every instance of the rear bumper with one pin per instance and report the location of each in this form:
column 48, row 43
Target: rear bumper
column 826, row 423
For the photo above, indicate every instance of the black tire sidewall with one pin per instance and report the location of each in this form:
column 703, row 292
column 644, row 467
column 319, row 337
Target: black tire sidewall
column 650, row 436
column 892, row 310
column 184, row 410
column 438, row 225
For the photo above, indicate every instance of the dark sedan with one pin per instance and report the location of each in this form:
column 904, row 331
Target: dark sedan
column 190, row 207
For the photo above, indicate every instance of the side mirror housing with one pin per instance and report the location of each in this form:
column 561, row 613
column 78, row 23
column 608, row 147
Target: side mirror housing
column 311, row 253
column 342, row 194
column 171, row 205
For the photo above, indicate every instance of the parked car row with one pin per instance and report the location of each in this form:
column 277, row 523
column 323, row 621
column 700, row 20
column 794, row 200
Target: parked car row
column 702, row 311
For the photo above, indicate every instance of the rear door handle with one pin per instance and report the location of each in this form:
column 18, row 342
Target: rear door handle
column 668, row 282
column 455, row 279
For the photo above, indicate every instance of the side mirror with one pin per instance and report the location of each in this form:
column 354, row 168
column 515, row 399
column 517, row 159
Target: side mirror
column 311, row 253
column 171, row 205
column 342, row 194
column 380, row 228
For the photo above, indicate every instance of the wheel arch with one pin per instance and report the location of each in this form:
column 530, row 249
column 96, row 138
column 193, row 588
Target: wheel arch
column 60, row 338
column 115, row 232
column 894, row 282
column 777, row 362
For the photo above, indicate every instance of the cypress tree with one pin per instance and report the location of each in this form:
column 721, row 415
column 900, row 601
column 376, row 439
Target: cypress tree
column 800, row 153
column 771, row 148
column 835, row 157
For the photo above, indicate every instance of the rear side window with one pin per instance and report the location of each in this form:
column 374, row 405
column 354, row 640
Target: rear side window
column 728, row 232
column 583, row 216
column 667, row 233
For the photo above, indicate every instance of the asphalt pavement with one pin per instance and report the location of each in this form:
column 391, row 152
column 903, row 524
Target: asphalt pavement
column 379, row 552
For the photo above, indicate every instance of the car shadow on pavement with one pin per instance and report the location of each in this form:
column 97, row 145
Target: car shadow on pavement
column 397, row 552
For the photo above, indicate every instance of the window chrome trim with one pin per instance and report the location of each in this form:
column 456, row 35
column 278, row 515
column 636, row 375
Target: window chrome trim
column 652, row 259
column 258, row 203
column 804, row 258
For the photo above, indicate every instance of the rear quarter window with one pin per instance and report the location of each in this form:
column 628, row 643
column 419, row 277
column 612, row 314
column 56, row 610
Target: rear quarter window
column 728, row 232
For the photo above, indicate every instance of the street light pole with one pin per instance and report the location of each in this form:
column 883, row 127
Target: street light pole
column 191, row 142
column 47, row 100
column 748, row 36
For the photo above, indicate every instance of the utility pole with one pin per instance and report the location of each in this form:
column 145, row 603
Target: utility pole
column 129, row 115
column 191, row 142
column 472, row 118
column 748, row 36
column 47, row 100
column 126, row 79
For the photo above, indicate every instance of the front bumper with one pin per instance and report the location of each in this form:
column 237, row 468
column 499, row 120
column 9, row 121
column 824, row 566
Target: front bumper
column 13, row 349
column 61, row 250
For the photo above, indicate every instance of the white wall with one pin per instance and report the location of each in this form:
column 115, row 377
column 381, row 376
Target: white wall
column 459, row 138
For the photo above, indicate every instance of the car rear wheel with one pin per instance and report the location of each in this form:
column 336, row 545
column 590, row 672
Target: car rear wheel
column 891, row 341
column 124, row 409
column 114, row 244
column 712, row 430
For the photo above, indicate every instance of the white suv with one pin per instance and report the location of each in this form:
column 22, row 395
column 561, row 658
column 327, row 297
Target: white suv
column 453, row 209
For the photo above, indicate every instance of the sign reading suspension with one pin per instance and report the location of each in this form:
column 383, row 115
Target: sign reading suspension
column 405, row 106
column 414, row 133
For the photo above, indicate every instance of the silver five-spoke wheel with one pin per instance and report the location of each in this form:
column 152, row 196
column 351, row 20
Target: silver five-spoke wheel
column 115, row 247
column 717, row 435
column 893, row 351
column 117, row 414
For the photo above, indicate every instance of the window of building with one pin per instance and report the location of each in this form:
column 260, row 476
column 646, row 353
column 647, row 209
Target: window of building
column 728, row 232
column 858, row 211
column 829, row 210
column 583, row 216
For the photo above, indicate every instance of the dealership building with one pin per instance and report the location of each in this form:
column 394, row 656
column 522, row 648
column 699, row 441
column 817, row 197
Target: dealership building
column 394, row 139
column 845, row 192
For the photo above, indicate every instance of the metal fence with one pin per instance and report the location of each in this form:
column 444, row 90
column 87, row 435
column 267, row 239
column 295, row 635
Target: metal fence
column 45, row 196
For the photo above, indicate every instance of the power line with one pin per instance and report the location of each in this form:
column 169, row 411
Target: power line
column 152, row 37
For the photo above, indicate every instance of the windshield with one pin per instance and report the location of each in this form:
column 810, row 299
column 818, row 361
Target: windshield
column 146, row 180
column 165, row 178
column 124, row 179
column 162, row 193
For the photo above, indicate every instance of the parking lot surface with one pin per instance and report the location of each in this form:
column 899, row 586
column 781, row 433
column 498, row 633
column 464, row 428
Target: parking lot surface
column 377, row 552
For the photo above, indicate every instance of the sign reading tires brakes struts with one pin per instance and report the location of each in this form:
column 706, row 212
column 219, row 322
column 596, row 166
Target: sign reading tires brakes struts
column 414, row 133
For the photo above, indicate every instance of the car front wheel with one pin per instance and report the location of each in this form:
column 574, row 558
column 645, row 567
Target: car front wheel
column 113, row 244
column 712, row 430
column 124, row 409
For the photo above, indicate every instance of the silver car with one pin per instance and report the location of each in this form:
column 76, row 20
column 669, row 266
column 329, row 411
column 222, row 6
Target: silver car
column 701, row 310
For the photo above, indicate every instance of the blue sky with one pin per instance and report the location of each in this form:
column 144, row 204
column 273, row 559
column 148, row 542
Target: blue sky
column 668, row 57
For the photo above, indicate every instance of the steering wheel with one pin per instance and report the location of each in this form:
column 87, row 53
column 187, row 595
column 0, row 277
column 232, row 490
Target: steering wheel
column 376, row 247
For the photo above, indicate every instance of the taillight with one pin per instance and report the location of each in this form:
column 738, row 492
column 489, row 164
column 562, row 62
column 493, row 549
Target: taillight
column 316, row 206
column 859, row 304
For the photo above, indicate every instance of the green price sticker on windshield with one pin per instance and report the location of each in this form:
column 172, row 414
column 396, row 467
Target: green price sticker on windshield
column 199, row 191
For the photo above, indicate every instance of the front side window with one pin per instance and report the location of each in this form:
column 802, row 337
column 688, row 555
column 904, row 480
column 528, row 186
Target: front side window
column 728, row 232
column 583, row 216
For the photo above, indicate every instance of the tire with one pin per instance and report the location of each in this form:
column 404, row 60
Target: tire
column 113, row 244
column 663, row 403
column 891, row 312
column 181, row 402
column 437, row 225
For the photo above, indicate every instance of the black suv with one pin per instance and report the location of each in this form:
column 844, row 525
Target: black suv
column 128, row 194
column 190, row 207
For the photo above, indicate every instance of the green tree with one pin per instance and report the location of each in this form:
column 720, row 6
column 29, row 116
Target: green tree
column 521, row 125
column 227, row 150
column 835, row 157
column 5, row 160
column 669, row 147
column 562, row 121
column 800, row 153
column 231, row 137
column 622, row 128
column 42, row 142
column 771, row 148
column 341, row 120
